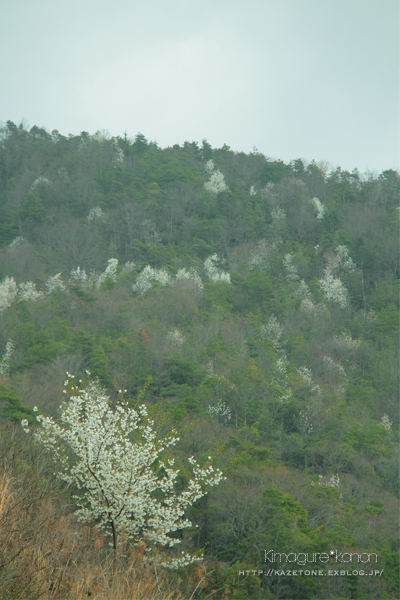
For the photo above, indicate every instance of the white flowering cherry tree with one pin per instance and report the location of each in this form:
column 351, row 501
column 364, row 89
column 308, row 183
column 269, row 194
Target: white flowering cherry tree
column 114, row 457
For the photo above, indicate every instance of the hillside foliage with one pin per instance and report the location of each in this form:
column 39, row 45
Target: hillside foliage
column 260, row 297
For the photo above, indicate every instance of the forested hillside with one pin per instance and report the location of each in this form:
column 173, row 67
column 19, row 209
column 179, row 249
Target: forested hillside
column 262, row 300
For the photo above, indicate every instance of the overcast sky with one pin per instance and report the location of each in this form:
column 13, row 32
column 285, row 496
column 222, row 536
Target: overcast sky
column 316, row 79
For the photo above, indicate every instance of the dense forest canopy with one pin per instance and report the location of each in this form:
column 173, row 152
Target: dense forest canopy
column 261, row 298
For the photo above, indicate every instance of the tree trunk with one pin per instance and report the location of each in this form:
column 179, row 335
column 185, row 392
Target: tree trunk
column 114, row 532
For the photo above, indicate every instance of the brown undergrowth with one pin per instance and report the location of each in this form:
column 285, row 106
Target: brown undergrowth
column 45, row 553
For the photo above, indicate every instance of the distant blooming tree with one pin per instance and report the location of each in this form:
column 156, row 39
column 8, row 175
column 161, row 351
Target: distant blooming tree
column 332, row 481
column 16, row 243
column 190, row 280
column 150, row 232
column 340, row 260
column 319, row 207
column 333, row 365
column 5, row 359
column 79, row 276
column 115, row 458
column 95, row 214
column 109, row 273
column 187, row 279
column 209, row 166
column 334, row 289
column 261, row 253
column 145, row 279
column 55, row 283
column 40, row 181
column 216, row 184
column 386, row 422
column 175, row 339
column 272, row 331
column 307, row 379
column 8, row 292
column 305, row 417
column 337, row 263
column 213, row 272
column 128, row 267
column 278, row 214
column 292, row 273
column 27, row 291
column 220, row 411
column 306, row 374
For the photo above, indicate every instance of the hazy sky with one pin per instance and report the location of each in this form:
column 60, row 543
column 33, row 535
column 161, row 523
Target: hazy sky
column 316, row 79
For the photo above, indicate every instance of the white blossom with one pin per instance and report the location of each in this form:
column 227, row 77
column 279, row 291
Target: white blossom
column 344, row 260
column 94, row 279
column 5, row 359
column 150, row 232
column 209, row 166
column 333, row 289
column 17, row 243
column 145, row 279
column 8, row 292
column 261, row 253
column 115, row 458
column 27, row 291
column 319, row 207
column 128, row 267
column 109, row 273
column 63, row 175
column 216, row 184
column 278, row 214
column 220, row 411
column 25, row 425
column 282, row 364
column 95, row 214
column 303, row 291
column 340, row 260
column 40, row 181
column 281, row 377
column 79, row 277
column 182, row 561
column 333, row 481
column 307, row 378
column 305, row 417
column 272, row 331
column 306, row 374
column 386, row 423
column 54, row 283
column 213, row 272
column 316, row 389
column 292, row 274
column 333, row 365
column 209, row 369
column 308, row 307
column 344, row 340
column 268, row 192
column 252, row 191
column 175, row 339
column 190, row 280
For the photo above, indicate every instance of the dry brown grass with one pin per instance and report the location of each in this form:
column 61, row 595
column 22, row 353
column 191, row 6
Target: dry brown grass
column 46, row 554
